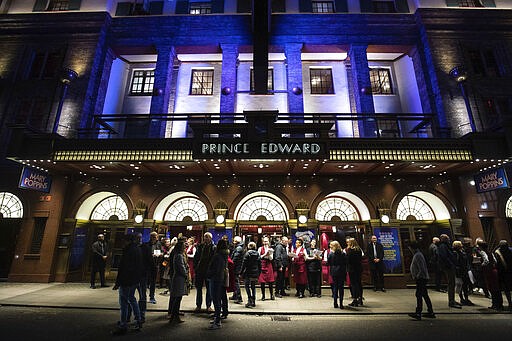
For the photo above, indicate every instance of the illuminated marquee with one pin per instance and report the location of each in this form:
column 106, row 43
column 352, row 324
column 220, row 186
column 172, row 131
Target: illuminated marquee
column 259, row 149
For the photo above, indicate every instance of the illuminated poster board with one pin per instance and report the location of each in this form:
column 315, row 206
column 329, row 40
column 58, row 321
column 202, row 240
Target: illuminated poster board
column 389, row 238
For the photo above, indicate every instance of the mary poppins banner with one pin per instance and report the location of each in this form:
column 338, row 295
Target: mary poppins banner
column 388, row 237
column 34, row 179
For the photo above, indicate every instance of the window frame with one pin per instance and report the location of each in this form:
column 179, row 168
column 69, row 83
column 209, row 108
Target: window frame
column 324, row 6
column 328, row 90
column 205, row 6
column 192, row 74
column 380, row 85
column 145, row 77
column 270, row 80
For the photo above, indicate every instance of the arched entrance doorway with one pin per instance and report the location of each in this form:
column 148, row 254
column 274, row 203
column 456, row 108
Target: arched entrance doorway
column 11, row 213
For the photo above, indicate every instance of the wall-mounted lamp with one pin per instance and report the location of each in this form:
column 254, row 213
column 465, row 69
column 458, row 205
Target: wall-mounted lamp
column 303, row 219
column 460, row 75
column 366, row 90
column 296, row 90
column 334, row 229
column 384, row 218
column 260, row 230
column 226, row 90
column 67, row 76
column 157, row 92
column 220, row 219
column 139, row 218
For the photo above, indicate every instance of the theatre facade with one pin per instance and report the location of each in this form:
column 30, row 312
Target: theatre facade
column 281, row 120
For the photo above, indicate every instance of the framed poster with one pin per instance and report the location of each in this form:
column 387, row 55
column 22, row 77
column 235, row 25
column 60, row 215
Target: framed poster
column 390, row 240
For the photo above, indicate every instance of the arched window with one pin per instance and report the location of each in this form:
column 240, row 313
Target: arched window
column 111, row 208
column 10, row 206
column 190, row 209
column 414, row 208
column 261, row 208
column 508, row 208
column 335, row 209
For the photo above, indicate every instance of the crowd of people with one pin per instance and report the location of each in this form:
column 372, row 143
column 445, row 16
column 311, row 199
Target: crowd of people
column 180, row 264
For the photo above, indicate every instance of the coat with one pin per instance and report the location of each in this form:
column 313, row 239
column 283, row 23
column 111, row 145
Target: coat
column 267, row 269
column 354, row 257
column 238, row 257
column 337, row 265
column 130, row 267
column 281, row 256
column 251, row 265
column 179, row 278
column 371, row 256
column 217, row 266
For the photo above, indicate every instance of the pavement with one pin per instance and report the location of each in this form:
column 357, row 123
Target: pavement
column 79, row 295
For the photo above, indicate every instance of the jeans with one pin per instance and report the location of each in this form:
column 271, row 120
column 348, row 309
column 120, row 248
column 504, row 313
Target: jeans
column 175, row 303
column 217, row 289
column 280, row 283
column 237, row 293
column 141, row 289
column 152, row 281
column 337, row 288
column 450, row 278
column 127, row 299
column 200, row 280
column 250, row 289
column 422, row 294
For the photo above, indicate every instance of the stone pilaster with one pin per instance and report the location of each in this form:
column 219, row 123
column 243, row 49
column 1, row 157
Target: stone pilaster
column 361, row 88
column 228, row 81
column 294, row 78
column 162, row 88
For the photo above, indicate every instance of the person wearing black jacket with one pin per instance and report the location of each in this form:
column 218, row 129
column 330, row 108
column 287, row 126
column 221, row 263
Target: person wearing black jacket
column 204, row 255
column 281, row 261
column 314, row 268
column 237, row 257
column 99, row 260
column 128, row 278
column 355, row 270
column 147, row 263
column 375, row 254
column 251, row 269
column 337, row 261
column 447, row 266
column 216, row 275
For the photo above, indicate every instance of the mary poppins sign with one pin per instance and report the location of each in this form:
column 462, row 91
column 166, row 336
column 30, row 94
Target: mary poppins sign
column 491, row 180
column 33, row 179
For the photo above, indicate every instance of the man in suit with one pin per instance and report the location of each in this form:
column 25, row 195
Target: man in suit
column 375, row 254
column 99, row 260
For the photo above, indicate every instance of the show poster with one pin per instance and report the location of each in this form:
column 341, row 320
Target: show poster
column 218, row 234
column 34, row 179
column 77, row 255
column 388, row 237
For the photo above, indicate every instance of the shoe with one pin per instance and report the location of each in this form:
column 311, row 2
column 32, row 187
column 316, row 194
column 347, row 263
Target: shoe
column 430, row 315
column 272, row 298
column 249, row 305
column 253, row 304
column 119, row 331
column 301, row 296
column 223, row 317
column 263, row 298
column 383, row 290
column 105, row 286
column 354, row 303
column 209, row 310
column 152, row 301
column 342, row 306
column 319, row 296
column 92, row 287
column 297, row 294
column 239, row 301
column 336, row 305
column 455, row 305
column 214, row 326
column 197, row 310
column 232, row 298
column 279, row 296
column 469, row 303
column 284, row 294
column 415, row 316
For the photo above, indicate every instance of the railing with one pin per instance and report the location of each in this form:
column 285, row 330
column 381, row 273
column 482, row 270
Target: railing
column 336, row 125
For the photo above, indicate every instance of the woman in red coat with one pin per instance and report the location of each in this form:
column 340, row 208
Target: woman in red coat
column 191, row 253
column 267, row 270
column 299, row 268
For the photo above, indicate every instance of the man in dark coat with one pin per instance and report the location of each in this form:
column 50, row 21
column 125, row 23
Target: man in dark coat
column 99, row 260
column 447, row 266
column 433, row 259
column 154, row 245
column 281, row 261
column 204, row 255
column 237, row 257
column 375, row 254
column 128, row 278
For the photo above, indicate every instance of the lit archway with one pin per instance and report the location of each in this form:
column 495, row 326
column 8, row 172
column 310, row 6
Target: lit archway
column 335, row 209
column 261, row 206
column 110, row 208
column 422, row 205
column 188, row 209
column 508, row 208
column 10, row 206
column 357, row 203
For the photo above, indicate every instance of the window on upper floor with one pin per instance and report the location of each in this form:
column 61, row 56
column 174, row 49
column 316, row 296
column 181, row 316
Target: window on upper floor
column 45, row 64
column 202, row 82
column 483, row 62
column 321, row 81
column 380, row 79
column 323, row 6
column 270, row 81
column 245, row 6
column 142, row 82
column 200, row 8
column 384, row 6
column 497, row 111
column 56, row 5
column 470, row 3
